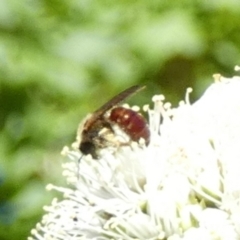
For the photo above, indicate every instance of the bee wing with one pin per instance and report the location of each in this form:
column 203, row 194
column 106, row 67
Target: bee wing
column 118, row 99
column 111, row 103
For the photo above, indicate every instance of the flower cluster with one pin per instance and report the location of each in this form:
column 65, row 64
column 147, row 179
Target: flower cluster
column 184, row 185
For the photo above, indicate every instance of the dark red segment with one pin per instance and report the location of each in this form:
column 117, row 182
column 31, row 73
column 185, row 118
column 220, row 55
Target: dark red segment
column 131, row 122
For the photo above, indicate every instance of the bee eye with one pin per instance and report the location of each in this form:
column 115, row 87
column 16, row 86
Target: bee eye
column 88, row 148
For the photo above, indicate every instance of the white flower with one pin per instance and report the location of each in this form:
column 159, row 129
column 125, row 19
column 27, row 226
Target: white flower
column 184, row 185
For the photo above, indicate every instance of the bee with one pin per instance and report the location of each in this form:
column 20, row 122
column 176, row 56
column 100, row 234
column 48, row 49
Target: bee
column 98, row 130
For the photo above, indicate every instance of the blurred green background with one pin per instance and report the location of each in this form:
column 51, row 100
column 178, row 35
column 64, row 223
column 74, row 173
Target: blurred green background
column 60, row 60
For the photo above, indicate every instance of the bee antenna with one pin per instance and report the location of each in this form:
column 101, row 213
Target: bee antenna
column 78, row 168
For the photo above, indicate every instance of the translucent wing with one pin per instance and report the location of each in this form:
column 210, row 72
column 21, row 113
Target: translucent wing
column 113, row 102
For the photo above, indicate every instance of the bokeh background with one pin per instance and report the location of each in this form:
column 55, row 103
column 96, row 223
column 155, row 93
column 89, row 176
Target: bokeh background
column 60, row 60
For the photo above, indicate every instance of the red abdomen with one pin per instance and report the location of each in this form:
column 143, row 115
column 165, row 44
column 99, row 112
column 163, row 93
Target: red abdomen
column 131, row 123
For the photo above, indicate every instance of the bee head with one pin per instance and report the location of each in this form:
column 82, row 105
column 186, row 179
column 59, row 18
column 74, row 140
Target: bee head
column 88, row 148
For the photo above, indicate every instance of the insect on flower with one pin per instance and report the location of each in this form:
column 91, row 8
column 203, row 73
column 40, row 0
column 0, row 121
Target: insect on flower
column 99, row 130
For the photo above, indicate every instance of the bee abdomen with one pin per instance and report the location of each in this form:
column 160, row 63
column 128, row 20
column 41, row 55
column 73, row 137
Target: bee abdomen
column 131, row 123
